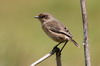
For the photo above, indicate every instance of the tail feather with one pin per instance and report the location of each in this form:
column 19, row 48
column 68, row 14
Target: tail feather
column 75, row 43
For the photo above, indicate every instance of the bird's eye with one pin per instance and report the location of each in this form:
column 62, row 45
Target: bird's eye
column 65, row 28
column 44, row 16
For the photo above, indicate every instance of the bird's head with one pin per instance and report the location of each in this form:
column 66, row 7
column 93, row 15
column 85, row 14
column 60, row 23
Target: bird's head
column 44, row 17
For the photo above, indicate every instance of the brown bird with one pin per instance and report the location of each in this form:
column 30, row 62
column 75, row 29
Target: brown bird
column 55, row 29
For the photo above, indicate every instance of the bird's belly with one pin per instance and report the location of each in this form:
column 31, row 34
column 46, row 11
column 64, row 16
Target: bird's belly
column 57, row 37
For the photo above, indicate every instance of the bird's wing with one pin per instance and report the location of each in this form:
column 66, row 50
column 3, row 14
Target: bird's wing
column 61, row 32
column 59, row 28
column 66, row 31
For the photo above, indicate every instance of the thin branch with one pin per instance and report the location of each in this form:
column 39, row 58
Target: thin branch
column 42, row 59
column 85, row 29
column 58, row 57
column 55, row 50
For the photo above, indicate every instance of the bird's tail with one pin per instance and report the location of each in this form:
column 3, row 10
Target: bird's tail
column 75, row 43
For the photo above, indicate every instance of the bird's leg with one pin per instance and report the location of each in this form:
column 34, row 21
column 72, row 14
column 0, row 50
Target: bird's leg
column 63, row 46
column 56, row 46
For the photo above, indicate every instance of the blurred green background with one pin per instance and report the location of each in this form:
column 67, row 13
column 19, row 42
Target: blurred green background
column 22, row 40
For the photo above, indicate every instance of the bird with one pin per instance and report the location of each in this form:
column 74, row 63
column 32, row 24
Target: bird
column 55, row 29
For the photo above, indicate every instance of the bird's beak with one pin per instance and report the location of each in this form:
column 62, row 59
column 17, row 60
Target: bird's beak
column 36, row 17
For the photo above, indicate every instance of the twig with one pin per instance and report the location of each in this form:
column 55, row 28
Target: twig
column 85, row 29
column 55, row 50
column 42, row 59
column 58, row 57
